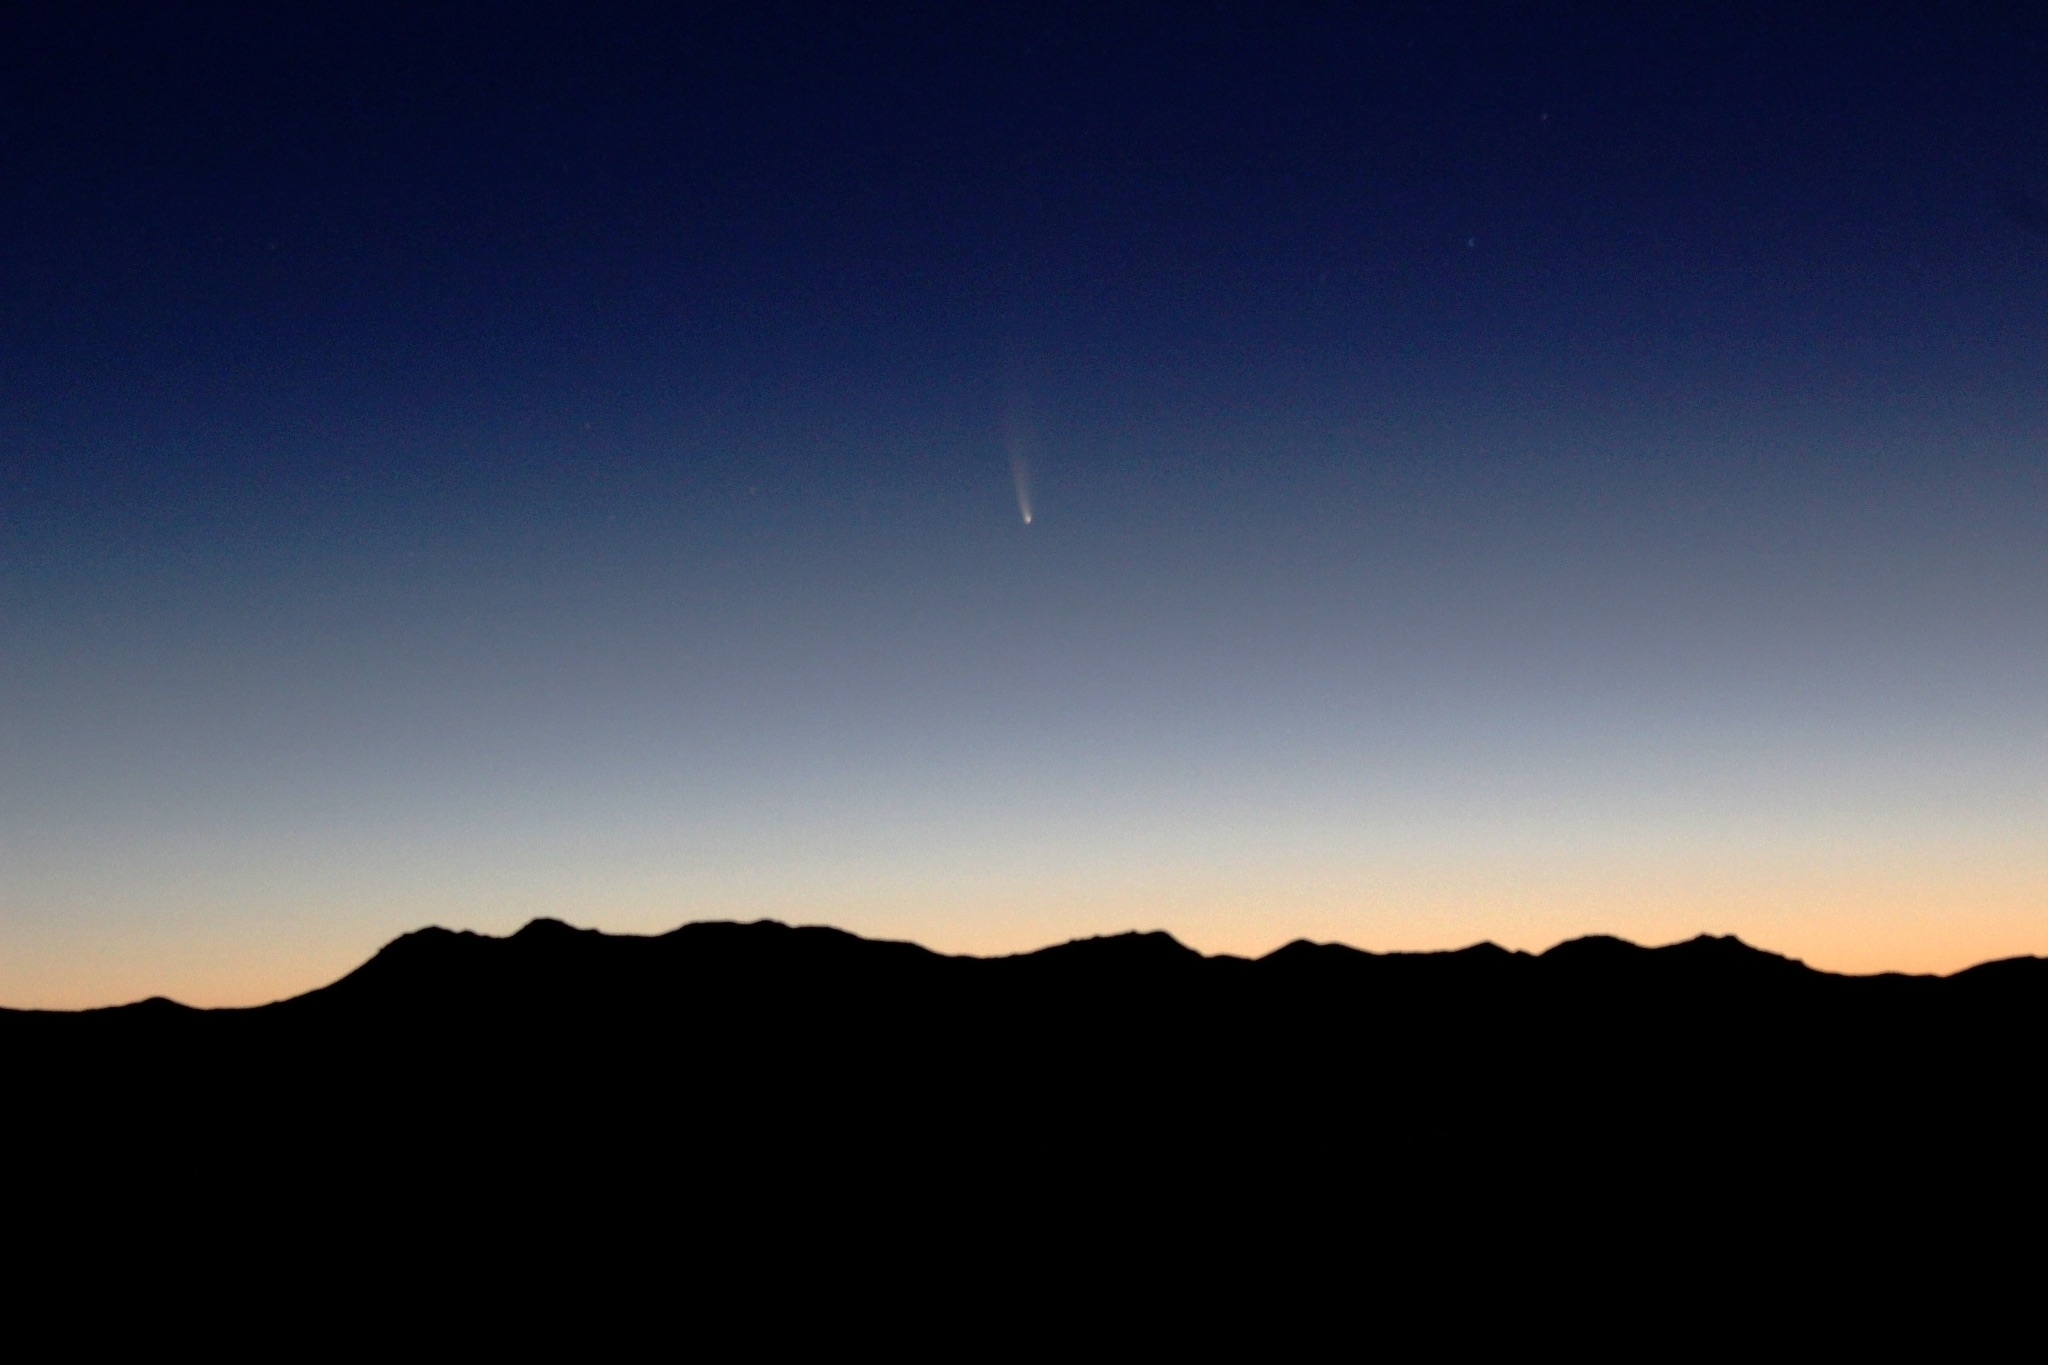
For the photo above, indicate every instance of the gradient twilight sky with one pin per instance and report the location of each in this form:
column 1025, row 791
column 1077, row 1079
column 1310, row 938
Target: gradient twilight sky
column 1497, row 471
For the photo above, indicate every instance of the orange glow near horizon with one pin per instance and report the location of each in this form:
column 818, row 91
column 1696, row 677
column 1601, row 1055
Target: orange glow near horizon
column 1903, row 915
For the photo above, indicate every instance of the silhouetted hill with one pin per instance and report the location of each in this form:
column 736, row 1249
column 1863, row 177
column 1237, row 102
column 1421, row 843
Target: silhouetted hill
column 550, row 974
column 782, row 1097
column 736, row 999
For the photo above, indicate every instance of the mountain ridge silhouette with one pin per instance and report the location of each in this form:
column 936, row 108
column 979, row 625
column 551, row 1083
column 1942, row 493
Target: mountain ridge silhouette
column 808, row 1101
column 802, row 1021
column 807, row 947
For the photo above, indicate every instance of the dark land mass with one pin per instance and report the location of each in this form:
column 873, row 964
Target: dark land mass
column 800, row 1031
column 821, row 1007
column 776, row 1091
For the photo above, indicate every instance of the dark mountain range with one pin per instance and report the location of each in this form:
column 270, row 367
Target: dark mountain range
column 758, row 1102
column 433, row 962
column 750, row 985
column 551, row 974
column 797, row 1021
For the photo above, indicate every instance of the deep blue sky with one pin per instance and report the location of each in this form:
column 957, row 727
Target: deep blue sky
column 1498, row 471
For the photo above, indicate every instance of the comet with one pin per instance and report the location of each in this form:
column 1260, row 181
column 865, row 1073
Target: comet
column 1021, row 473
column 1020, row 469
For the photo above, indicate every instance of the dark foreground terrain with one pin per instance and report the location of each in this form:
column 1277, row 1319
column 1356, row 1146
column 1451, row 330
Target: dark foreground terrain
column 775, row 1096
column 823, row 1025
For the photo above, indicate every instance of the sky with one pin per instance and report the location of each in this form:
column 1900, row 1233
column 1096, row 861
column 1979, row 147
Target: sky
column 988, row 474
